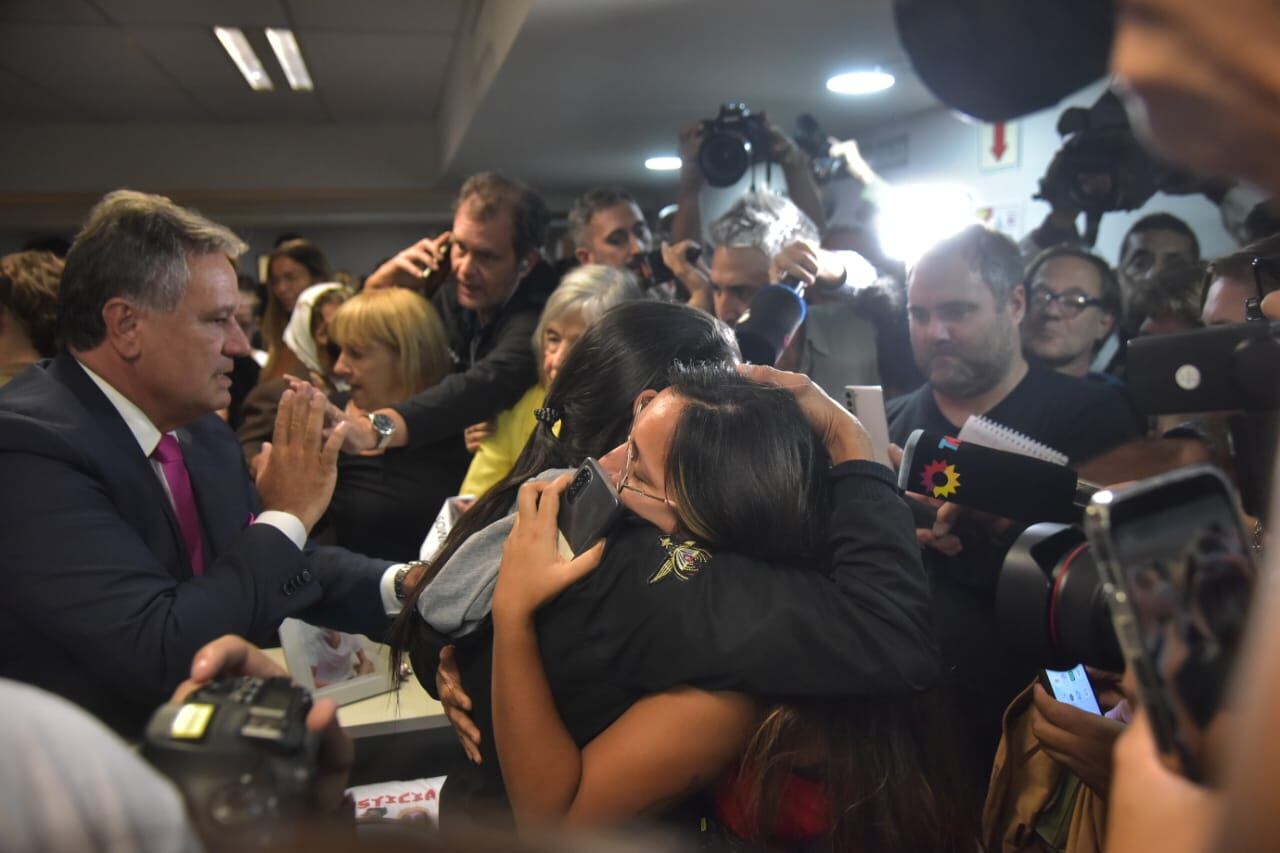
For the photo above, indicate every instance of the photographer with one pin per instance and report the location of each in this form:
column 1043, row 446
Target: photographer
column 801, row 187
column 107, row 797
column 1201, row 80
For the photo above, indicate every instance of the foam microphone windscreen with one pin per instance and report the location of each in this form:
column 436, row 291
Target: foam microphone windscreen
column 1004, row 484
column 765, row 330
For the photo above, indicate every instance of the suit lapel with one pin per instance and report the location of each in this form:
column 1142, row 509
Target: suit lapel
column 126, row 455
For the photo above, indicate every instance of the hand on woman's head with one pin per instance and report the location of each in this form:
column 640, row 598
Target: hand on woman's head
column 841, row 433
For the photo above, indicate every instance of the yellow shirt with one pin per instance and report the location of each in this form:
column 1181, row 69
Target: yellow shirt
column 497, row 454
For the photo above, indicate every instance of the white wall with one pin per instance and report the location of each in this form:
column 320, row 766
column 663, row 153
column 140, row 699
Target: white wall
column 942, row 148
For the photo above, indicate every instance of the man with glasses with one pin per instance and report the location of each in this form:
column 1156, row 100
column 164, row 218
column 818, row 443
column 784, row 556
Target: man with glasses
column 1073, row 299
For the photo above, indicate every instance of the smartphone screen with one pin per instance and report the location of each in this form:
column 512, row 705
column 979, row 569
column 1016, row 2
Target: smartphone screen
column 1180, row 558
column 1072, row 687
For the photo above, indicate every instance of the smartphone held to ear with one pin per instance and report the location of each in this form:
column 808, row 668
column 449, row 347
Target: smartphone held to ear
column 588, row 509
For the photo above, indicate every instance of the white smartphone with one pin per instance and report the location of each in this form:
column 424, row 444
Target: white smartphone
column 866, row 402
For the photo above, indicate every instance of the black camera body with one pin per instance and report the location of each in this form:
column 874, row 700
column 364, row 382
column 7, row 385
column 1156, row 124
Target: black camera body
column 731, row 142
column 239, row 751
column 1101, row 166
column 1051, row 601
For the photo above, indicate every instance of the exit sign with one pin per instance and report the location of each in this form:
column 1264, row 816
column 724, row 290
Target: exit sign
column 998, row 145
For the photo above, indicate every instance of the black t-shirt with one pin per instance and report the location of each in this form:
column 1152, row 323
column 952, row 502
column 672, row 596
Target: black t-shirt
column 1081, row 419
column 985, row 668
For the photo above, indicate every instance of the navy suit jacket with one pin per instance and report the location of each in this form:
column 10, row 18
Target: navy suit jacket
column 99, row 601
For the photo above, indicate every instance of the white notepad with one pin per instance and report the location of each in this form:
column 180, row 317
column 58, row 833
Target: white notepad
column 987, row 433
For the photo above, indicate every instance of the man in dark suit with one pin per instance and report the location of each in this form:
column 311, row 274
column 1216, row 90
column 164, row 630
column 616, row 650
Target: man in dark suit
column 130, row 533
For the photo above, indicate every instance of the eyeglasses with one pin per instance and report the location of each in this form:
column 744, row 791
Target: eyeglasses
column 1070, row 304
column 625, row 483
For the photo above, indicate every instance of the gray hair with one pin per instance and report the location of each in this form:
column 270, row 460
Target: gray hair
column 133, row 245
column 762, row 220
column 588, row 290
column 591, row 203
column 988, row 253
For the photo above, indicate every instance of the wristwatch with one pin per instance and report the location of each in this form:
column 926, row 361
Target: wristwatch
column 401, row 574
column 383, row 426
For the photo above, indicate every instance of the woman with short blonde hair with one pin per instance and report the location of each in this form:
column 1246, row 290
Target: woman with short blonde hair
column 391, row 346
column 406, row 324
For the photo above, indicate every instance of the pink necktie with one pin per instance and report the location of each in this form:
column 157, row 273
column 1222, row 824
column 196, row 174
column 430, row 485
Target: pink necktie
column 169, row 454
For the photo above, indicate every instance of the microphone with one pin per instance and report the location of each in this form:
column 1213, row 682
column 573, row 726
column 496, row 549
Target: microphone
column 1007, row 484
column 766, row 328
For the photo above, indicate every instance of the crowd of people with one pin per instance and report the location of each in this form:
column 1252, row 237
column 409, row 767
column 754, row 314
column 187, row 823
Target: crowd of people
column 776, row 647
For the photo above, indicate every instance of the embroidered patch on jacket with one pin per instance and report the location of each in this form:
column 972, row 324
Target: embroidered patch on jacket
column 684, row 559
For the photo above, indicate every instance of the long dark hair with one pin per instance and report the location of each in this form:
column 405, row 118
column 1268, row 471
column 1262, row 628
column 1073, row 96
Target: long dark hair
column 630, row 349
column 890, row 767
column 274, row 317
column 745, row 469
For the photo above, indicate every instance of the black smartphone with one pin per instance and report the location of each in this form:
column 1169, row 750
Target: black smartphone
column 1214, row 369
column 1179, row 574
column 433, row 278
column 1072, row 687
column 590, row 506
column 652, row 270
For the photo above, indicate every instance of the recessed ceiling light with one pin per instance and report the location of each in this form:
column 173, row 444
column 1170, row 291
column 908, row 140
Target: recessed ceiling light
column 864, row 82
column 290, row 59
column 241, row 53
column 663, row 164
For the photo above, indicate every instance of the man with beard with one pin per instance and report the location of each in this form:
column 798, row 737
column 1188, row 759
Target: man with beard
column 965, row 301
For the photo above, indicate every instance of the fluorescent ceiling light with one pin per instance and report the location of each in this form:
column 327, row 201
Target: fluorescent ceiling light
column 662, row 164
column 241, row 53
column 865, row 82
column 290, row 59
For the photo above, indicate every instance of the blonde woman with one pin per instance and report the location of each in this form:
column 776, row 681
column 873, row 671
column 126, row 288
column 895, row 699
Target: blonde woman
column 391, row 346
column 582, row 296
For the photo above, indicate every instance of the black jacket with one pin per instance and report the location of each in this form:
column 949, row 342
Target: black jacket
column 645, row 621
column 493, row 365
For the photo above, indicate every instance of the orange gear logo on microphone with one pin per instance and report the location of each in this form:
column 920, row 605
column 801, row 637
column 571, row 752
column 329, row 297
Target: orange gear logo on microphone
column 949, row 484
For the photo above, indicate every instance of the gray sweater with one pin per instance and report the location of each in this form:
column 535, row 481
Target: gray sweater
column 460, row 596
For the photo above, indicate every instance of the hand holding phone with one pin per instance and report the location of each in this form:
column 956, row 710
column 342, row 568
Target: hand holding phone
column 589, row 508
column 1180, row 579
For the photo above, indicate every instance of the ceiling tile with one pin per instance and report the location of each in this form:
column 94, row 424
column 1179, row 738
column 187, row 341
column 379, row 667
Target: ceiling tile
column 196, row 13
column 97, row 68
column 20, row 101
column 369, row 16
column 403, row 84
column 49, row 12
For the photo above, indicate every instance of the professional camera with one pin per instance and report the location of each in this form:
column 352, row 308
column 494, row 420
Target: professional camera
column 239, row 751
column 1051, row 603
column 1101, row 167
column 731, row 143
column 812, row 140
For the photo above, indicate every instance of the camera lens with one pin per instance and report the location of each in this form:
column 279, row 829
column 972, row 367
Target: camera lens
column 724, row 157
column 1050, row 600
